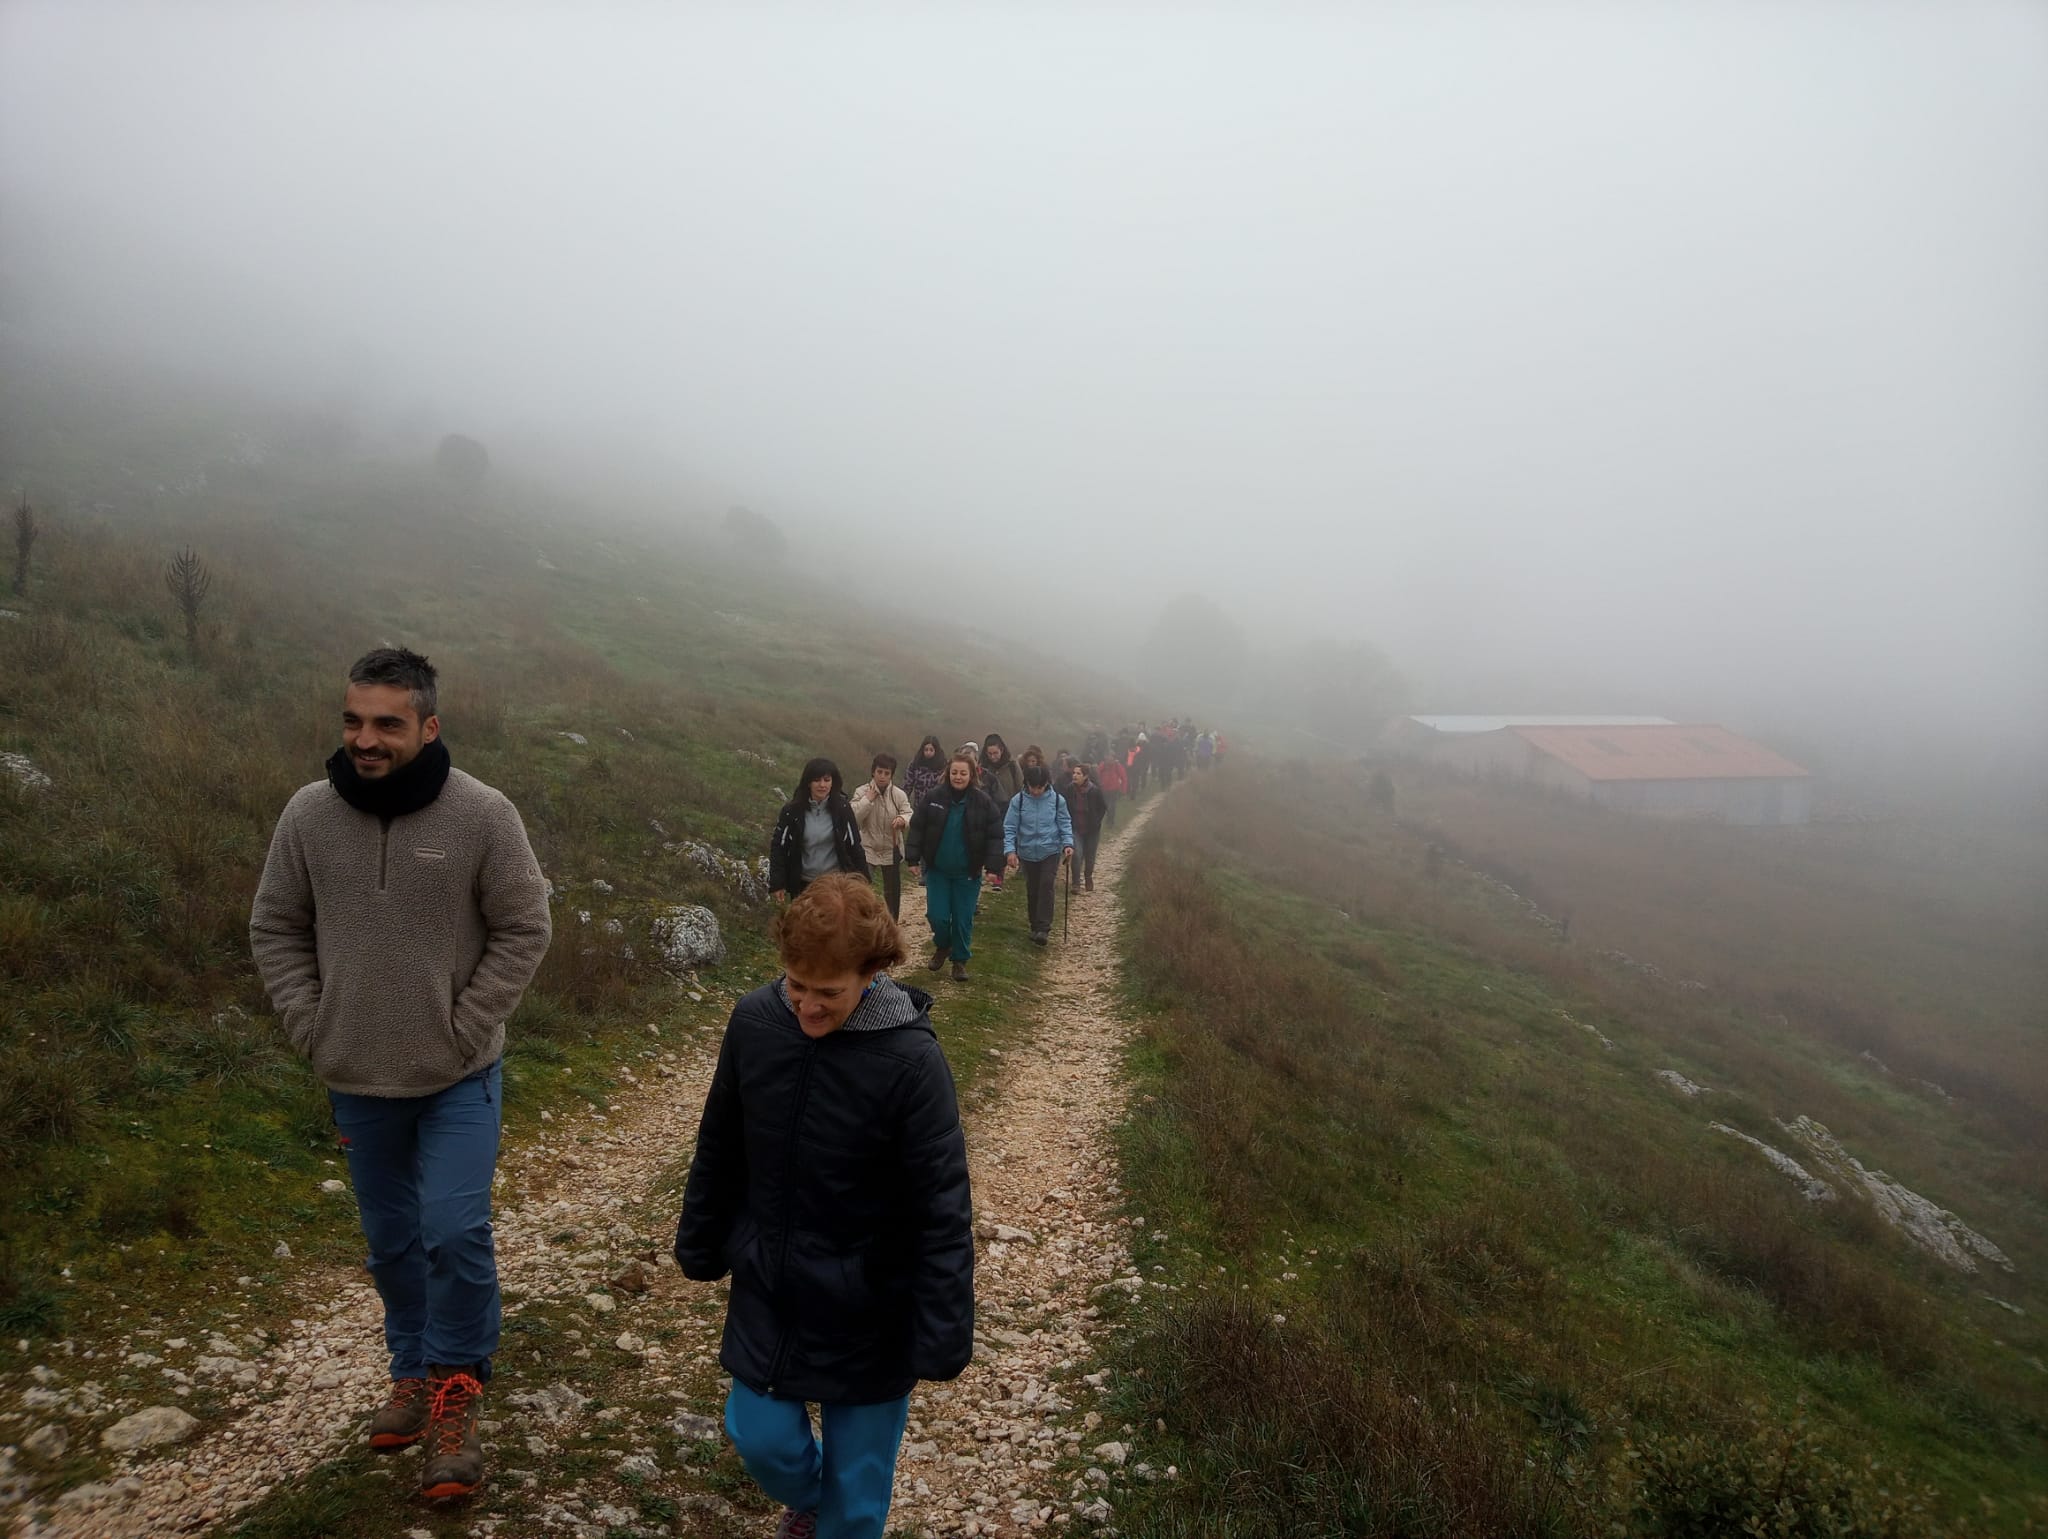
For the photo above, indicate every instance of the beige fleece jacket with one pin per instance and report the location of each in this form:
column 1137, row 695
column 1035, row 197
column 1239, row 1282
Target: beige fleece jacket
column 875, row 817
column 393, row 952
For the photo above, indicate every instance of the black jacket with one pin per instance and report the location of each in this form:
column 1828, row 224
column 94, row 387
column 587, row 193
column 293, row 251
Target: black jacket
column 786, row 844
column 830, row 1179
column 1087, row 806
column 983, row 830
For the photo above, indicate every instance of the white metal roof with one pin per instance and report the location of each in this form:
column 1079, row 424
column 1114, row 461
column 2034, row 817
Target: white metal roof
column 1496, row 723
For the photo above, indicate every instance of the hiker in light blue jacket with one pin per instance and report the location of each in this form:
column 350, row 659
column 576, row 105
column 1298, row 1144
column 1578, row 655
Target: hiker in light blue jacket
column 1038, row 833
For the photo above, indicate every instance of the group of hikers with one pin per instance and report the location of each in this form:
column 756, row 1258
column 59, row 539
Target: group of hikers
column 401, row 915
column 968, row 821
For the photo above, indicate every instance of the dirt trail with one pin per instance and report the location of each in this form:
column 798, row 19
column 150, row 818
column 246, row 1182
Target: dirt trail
column 981, row 1453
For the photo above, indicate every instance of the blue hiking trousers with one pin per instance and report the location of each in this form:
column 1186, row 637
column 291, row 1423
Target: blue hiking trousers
column 422, row 1168
column 847, row 1480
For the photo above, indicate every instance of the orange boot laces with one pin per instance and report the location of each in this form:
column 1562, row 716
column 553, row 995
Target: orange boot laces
column 449, row 1411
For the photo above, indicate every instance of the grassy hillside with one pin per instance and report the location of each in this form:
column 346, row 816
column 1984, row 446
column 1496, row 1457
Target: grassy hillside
column 152, row 1128
column 1444, row 1254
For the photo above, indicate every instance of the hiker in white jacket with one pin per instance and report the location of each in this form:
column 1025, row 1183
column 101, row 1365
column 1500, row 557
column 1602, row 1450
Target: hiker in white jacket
column 881, row 812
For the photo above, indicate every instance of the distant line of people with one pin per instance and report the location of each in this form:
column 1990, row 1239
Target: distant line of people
column 973, row 820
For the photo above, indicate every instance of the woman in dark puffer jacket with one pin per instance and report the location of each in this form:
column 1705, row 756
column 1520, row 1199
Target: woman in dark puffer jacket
column 830, row 1179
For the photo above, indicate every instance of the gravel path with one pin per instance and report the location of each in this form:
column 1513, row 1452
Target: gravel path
column 992, row 1453
column 982, row 1454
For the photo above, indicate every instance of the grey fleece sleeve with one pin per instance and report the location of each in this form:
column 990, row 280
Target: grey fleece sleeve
column 281, row 933
column 514, row 898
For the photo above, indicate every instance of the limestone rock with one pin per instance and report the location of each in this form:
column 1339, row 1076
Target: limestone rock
column 150, row 1428
column 23, row 770
column 556, row 1403
column 637, row 1277
column 687, row 935
column 692, row 1428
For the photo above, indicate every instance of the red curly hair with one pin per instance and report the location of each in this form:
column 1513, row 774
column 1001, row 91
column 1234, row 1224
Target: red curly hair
column 838, row 924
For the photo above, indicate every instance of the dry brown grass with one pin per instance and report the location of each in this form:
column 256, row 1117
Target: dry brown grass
column 1353, row 1053
column 1924, row 943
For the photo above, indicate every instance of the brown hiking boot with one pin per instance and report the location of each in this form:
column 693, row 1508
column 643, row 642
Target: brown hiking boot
column 939, row 956
column 455, row 1454
column 959, row 972
column 401, row 1420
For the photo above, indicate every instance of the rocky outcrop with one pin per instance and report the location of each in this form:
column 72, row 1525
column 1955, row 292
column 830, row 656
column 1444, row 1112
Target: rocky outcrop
column 1931, row 1227
column 1811, row 1187
column 687, row 937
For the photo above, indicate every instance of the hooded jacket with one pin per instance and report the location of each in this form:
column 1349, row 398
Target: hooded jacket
column 983, row 829
column 830, row 1179
column 1001, row 781
column 1036, row 827
column 786, row 844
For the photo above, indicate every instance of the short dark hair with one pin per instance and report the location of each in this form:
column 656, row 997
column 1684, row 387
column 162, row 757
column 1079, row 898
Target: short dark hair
column 408, row 670
column 885, row 761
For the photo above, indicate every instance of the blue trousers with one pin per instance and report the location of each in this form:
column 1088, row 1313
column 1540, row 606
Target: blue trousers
column 949, row 904
column 847, row 1482
column 422, row 1167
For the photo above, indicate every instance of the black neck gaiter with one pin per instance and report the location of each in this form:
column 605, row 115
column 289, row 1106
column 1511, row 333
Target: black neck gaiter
column 404, row 790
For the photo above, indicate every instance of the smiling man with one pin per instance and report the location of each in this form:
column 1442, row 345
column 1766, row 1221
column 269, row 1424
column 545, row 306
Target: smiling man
column 830, row 1179
column 400, row 917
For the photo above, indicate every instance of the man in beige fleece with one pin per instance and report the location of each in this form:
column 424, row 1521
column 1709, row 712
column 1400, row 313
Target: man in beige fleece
column 400, row 917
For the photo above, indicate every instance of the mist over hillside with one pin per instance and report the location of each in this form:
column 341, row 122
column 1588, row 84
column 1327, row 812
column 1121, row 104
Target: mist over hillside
column 1376, row 329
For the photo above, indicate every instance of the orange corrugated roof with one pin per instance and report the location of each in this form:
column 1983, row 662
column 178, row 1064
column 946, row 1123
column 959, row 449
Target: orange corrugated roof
column 1659, row 753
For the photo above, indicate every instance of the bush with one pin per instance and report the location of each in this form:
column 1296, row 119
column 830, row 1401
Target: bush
column 45, row 1097
column 29, row 1303
column 95, row 1012
column 1291, row 1430
column 230, row 1048
column 1763, row 1479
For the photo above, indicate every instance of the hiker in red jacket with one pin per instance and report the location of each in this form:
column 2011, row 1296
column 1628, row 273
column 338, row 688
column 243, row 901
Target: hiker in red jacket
column 1111, row 776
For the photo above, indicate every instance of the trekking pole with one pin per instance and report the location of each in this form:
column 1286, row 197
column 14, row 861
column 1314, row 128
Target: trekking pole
column 1066, row 908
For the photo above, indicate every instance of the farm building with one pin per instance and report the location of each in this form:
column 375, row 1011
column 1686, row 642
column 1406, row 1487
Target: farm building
column 1656, row 767
column 1422, row 737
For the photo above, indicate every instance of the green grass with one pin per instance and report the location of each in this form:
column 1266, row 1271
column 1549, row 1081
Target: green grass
column 1479, row 1273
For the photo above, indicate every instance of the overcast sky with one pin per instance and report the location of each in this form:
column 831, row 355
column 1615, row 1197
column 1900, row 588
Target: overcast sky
column 1682, row 353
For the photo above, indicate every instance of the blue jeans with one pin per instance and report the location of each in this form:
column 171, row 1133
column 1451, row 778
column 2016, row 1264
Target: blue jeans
column 422, row 1167
column 847, row 1483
